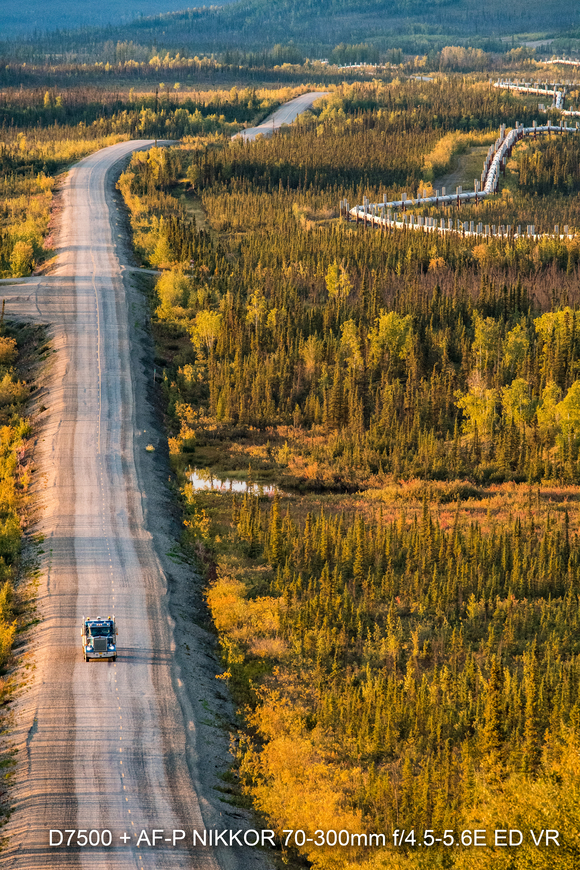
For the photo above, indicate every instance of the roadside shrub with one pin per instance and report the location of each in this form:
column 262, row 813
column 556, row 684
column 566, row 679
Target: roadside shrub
column 21, row 259
column 6, row 601
column 173, row 289
column 8, row 351
column 7, row 632
column 11, row 391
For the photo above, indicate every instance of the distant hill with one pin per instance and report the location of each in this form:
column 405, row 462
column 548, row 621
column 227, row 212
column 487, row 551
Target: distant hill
column 316, row 26
column 27, row 16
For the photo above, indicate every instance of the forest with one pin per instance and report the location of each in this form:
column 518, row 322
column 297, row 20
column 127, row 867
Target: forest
column 32, row 17
column 46, row 129
column 396, row 594
column 314, row 28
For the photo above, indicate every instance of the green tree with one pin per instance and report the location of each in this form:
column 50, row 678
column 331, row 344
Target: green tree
column 546, row 412
column 493, row 736
column 516, row 347
column 350, row 344
column 256, row 310
column 392, row 334
column 478, row 406
column 487, row 342
column 517, row 402
column 567, row 412
column 337, row 281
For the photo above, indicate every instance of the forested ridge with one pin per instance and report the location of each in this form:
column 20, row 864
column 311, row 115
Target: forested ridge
column 400, row 619
column 314, row 27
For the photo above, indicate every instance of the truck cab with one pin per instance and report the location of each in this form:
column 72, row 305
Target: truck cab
column 99, row 638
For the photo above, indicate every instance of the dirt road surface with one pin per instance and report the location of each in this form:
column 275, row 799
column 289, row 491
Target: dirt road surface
column 101, row 745
column 284, row 115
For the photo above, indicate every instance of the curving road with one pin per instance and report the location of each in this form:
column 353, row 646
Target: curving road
column 99, row 745
column 286, row 114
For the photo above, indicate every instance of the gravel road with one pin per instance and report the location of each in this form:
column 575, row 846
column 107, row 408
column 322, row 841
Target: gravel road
column 284, row 115
column 103, row 745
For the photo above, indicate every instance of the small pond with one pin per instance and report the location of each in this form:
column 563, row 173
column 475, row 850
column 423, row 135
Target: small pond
column 203, row 479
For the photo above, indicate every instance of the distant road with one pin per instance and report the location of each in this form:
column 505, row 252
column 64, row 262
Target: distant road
column 284, row 115
column 101, row 746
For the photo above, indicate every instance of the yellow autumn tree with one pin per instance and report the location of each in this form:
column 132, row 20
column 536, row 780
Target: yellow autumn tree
column 205, row 329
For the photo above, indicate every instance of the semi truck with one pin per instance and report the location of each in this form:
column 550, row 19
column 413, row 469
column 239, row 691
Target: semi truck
column 99, row 636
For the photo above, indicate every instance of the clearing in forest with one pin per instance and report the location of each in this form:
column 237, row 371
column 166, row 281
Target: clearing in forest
column 466, row 167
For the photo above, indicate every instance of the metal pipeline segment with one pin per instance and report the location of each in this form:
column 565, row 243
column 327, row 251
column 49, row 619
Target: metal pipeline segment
column 491, row 169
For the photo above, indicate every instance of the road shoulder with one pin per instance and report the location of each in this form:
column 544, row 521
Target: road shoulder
column 208, row 713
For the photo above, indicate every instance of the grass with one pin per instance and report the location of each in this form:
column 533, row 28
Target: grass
column 467, row 167
column 194, row 208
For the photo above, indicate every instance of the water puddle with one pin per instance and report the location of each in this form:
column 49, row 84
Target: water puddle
column 203, row 479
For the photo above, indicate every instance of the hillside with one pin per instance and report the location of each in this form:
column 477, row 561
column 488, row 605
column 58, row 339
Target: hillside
column 316, row 27
column 29, row 16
